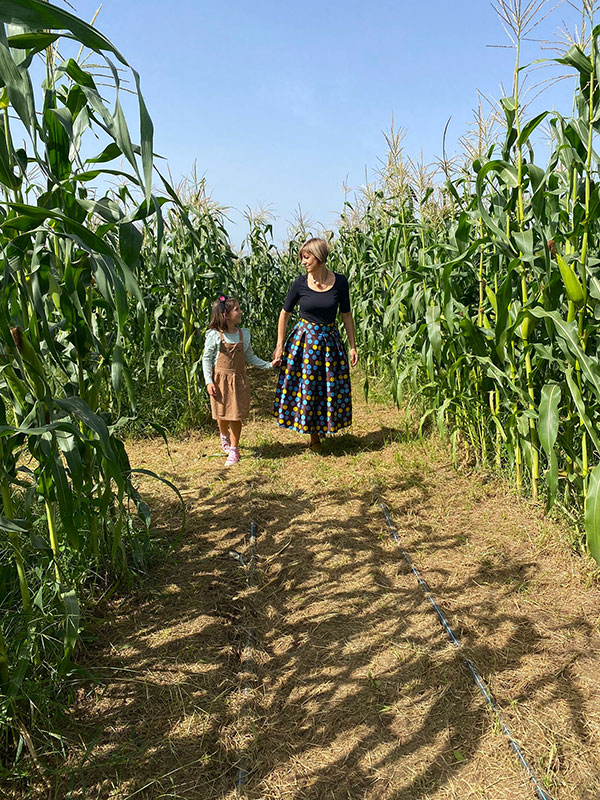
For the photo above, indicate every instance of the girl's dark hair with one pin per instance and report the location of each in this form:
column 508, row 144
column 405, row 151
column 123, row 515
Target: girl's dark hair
column 219, row 308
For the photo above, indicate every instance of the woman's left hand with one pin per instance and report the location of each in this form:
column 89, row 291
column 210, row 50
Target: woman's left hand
column 353, row 356
column 277, row 354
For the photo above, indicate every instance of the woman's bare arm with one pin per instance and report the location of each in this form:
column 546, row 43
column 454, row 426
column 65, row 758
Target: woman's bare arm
column 284, row 318
column 348, row 321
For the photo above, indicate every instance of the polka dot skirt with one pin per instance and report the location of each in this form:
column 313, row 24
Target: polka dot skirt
column 313, row 391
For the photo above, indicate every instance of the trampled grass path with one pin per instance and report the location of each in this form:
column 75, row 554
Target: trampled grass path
column 353, row 689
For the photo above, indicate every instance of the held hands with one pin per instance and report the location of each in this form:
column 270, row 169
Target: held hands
column 277, row 353
column 211, row 389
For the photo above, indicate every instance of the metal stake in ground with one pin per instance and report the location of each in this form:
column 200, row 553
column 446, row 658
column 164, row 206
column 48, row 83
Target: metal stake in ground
column 479, row 681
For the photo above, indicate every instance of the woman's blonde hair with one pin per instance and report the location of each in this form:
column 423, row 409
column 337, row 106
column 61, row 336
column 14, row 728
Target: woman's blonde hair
column 317, row 247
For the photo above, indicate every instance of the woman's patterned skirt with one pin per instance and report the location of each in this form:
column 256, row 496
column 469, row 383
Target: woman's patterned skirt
column 313, row 391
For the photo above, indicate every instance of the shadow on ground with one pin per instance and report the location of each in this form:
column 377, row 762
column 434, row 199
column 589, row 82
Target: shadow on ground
column 335, row 446
column 356, row 692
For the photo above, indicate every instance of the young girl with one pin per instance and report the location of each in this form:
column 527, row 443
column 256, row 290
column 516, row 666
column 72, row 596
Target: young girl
column 227, row 349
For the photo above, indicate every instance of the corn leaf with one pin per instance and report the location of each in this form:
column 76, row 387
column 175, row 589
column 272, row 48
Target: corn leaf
column 592, row 513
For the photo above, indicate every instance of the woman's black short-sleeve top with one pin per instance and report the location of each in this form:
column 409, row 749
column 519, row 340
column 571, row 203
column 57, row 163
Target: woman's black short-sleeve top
column 319, row 307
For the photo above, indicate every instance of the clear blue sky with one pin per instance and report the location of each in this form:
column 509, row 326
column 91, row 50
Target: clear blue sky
column 278, row 103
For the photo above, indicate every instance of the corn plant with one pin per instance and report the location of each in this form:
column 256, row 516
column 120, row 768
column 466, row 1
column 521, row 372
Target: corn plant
column 71, row 263
column 488, row 306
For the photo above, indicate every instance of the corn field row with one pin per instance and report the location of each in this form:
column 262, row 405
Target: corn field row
column 483, row 296
column 480, row 296
column 102, row 303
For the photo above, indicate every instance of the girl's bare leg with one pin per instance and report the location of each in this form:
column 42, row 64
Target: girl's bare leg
column 235, row 426
column 223, row 426
column 315, row 441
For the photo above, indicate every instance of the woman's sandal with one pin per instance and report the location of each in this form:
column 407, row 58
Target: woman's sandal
column 315, row 444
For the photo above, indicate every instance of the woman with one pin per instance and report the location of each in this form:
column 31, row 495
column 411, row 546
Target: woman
column 313, row 391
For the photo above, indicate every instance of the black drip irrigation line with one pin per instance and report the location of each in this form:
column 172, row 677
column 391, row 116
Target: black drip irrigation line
column 248, row 660
column 479, row 681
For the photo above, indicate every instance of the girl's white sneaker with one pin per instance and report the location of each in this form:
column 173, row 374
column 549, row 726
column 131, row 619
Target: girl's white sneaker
column 233, row 457
column 225, row 443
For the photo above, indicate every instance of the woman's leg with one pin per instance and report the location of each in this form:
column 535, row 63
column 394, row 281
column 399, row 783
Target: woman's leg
column 315, row 441
column 235, row 427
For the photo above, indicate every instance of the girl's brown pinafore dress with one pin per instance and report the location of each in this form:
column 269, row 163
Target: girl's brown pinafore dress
column 232, row 401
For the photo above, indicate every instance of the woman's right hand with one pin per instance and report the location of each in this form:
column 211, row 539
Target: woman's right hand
column 211, row 389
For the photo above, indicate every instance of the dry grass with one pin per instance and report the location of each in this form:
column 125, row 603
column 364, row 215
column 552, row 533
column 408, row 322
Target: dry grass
column 355, row 691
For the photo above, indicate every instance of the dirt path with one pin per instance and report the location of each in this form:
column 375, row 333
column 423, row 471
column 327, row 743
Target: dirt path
column 355, row 691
